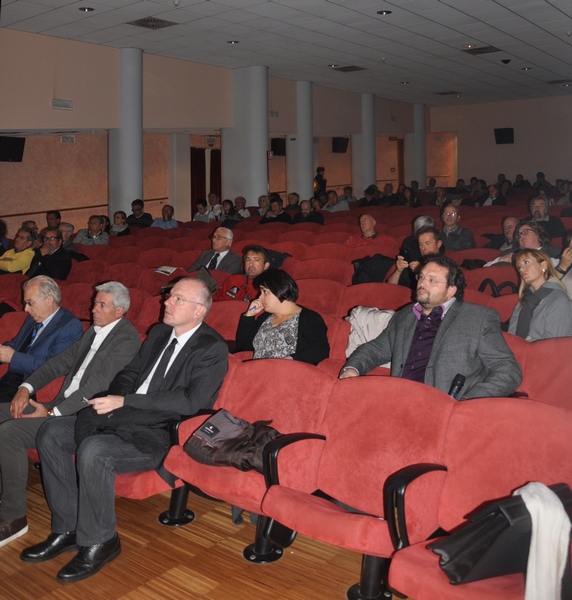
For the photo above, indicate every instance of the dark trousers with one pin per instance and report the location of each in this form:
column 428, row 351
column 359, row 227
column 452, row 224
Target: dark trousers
column 81, row 494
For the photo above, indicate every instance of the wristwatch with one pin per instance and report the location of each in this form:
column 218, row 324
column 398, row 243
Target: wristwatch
column 50, row 413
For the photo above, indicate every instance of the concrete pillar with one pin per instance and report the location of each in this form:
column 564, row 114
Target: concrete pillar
column 300, row 146
column 244, row 146
column 414, row 150
column 125, row 145
column 363, row 147
column 180, row 175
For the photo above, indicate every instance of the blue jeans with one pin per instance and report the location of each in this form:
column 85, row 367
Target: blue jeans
column 81, row 494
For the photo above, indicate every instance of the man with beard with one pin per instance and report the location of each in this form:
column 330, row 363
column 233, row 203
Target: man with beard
column 440, row 337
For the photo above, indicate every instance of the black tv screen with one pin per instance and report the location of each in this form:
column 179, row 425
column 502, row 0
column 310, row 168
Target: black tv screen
column 504, row 135
column 11, row 148
column 278, row 146
column 340, row 144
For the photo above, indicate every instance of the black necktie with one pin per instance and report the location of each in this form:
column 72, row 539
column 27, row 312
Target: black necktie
column 161, row 369
column 212, row 264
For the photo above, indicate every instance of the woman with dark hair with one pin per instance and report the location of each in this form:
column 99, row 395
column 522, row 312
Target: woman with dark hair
column 228, row 212
column 407, row 198
column 119, row 226
column 544, row 310
column 284, row 328
column 106, row 223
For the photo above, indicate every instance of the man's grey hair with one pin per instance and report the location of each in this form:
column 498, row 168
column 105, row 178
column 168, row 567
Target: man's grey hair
column 121, row 297
column 68, row 227
column 47, row 287
column 545, row 200
column 423, row 221
column 227, row 232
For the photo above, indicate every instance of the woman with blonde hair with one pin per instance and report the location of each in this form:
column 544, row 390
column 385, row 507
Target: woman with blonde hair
column 544, row 310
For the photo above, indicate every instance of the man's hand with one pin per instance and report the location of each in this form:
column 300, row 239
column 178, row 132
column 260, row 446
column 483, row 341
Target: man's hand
column 505, row 258
column 348, row 373
column 40, row 410
column 414, row 265
column 401, row 264
column 566, row 259
column 6, row 354
column 106, row 404
column 45, row 250
column 19, row 402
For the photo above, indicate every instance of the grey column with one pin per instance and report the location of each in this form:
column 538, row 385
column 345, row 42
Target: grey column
column 125, row 145
column 180, row 175
column 300, row 146
column 414, row 149
column 363, row 147
column 244, row 146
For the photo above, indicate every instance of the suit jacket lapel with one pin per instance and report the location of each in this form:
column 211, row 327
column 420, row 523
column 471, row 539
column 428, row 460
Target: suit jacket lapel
column 182, row 358
column 448, row 320
column 152, row 357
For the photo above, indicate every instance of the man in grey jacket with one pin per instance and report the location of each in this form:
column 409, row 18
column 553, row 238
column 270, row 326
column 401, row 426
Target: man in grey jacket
column 89, row 366
column 441, row 337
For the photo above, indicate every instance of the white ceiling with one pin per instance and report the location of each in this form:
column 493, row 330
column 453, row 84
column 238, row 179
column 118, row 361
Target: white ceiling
column 421, row 42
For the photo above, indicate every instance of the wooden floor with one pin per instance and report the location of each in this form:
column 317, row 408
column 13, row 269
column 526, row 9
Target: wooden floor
column 200, row 561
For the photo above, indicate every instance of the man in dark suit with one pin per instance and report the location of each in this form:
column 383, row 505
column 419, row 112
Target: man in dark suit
column 89, row 366
column 51, row 259
column 220, row 257
column 276, row 214
column 48, row 330
column 178, row 371
column 440, row 337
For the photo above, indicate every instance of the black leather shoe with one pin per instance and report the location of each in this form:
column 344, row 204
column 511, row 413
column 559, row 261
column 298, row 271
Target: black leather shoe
column 54, row 545
column 89, row 560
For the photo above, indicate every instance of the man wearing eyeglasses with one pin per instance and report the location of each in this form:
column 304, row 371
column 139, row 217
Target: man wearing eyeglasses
column 453, row 236
column 51, row 259
column 440, row 337
column 19, row 258
column 220, row 257
column 178, row 371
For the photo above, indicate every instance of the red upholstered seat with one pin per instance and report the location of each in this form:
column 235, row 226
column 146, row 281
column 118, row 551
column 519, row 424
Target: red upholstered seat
column 296, row 249
column 504, row 305
column 97, row 252
column 78, row 298
column 10, row 325
column 87, row 271
column 122, row 255
column 129, row 274
column 492, row 447
column 486, row 254
column 156, row 257
column 11, row 290
column 374, row 426
column 322, row 295
column 149, row 242
column 328, row 250
column 498, row 273
column 224, row 316
column 297, row 235
column 321, row 268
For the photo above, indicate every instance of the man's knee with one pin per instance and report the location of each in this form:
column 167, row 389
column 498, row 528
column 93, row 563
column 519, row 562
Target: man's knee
column 56, row 431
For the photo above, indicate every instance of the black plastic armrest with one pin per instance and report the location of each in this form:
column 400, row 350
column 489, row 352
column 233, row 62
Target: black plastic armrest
column 173, row 424
column 272, row 449
column 394, row 499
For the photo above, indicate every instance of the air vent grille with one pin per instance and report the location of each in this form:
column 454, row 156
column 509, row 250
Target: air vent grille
column 559, row 81
column 483, row 50
column 447, row 93
column 350, row 69
column 152, row 23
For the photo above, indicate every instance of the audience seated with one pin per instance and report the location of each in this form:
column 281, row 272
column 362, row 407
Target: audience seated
column 429, row 244
column 454, row 236
column 430, row 188
column 48, row 330
column 276, row 212
column 241, row 286
column 493, row 198
column 504, row 241
column 544, row 310
column 263, row 205
column 521, row 183
column 19, row 258
column 53, row 219
column 388, row 198
column 215, row 206
column 228, row 213
column 67, row 230
column 240, row 205
column 348, row 194
column 51, row 259
column 138, row 217
column 119, row 227
column 293, row 202
column 539, row 208
column 540, row 180
column 368, row 233
column 563, row 270
column 219, row 257
column 94, row 233
column 307, row 214
column 89, row 366
column 166, row 220
column 334, row 204
column 284, row 329
column 441, row 198
column 4, row 242
column 202, row 213
column 370, row 197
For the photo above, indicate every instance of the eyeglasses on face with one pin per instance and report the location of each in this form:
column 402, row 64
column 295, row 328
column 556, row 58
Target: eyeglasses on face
column 524, row 232
column 180, row 300
column 51, row 238
column 218, row 237
column 429, row 280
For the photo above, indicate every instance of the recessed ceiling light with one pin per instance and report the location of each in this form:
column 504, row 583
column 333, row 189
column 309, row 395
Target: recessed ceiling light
column 526, row 68
column 405, row 82
column 86, row 9
column 458, row 95
column 384, row 13
column 332, row 66
column 469, row 46
column 567, row 85
column 233, row 42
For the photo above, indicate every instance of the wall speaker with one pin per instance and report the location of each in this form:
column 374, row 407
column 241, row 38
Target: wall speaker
column 340, row 145
column 11, row 148
column 504, row 135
